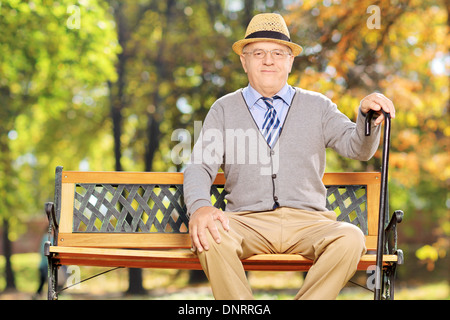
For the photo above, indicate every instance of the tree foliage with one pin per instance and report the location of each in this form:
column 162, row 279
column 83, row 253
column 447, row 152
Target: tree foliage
column 51, row 92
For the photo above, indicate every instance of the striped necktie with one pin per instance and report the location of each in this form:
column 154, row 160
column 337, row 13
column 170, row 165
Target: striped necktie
column 271, row 127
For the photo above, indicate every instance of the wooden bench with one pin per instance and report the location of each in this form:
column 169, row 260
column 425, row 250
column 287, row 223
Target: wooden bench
column 101, row 218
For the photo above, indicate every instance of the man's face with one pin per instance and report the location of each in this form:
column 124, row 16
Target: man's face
column 269, row 74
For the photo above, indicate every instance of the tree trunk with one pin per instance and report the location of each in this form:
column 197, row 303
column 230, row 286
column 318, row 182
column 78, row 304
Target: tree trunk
column 117, row 100
column 7, row 252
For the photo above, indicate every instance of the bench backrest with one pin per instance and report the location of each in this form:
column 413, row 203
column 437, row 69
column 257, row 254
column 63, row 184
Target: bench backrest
column 147, row 210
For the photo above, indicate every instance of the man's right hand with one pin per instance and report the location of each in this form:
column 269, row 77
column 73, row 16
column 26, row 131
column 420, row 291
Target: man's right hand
column 201, row 220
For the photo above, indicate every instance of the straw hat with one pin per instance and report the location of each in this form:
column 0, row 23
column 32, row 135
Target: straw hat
column 267, row 27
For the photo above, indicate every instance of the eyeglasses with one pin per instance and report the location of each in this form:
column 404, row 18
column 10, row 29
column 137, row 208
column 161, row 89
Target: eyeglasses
column 277, row 54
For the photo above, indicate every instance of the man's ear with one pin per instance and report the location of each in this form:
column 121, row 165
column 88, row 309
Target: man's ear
column 292, row 63
column 243, row 62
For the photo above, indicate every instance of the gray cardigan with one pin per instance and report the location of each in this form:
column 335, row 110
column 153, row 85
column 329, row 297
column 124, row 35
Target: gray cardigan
column 290, row 174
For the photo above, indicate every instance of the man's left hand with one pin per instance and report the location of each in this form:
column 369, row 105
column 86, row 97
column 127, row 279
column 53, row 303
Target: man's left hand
column 376, row 102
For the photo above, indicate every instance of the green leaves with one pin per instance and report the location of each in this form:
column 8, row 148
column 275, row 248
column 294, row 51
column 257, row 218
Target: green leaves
column 52, row 81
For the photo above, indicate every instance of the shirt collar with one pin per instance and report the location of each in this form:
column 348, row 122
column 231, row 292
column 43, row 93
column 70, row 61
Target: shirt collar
column 286, row 93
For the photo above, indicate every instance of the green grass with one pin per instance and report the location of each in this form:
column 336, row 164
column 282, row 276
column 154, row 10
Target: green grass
column 172, row 284
column 26, row 271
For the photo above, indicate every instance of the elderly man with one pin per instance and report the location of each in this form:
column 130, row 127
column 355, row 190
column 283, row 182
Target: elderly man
column 276, row 200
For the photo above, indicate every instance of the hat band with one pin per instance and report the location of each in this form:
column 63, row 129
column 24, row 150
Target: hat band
column 268, row 34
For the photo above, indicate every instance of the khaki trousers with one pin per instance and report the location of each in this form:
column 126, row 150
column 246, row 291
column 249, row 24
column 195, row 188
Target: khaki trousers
column 335, row 247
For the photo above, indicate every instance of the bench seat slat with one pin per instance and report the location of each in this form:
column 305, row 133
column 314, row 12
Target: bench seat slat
column 185, row 259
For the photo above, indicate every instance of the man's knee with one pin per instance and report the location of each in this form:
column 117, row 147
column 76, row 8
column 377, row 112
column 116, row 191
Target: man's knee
column 352, row 239
column 228, row 242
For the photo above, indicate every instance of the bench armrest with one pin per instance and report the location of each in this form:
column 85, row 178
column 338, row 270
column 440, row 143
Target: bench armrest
column 397, row 217
column 52, row 226
column 390, row 232
column 51, row 214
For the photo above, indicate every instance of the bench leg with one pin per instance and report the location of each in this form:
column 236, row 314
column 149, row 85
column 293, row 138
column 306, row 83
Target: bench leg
column 389, row 275
column 393, row 275
column 52, row 279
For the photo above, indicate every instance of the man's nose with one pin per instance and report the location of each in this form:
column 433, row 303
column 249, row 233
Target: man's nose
column 268, row 59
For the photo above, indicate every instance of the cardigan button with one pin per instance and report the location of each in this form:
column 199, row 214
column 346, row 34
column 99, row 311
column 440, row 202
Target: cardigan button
column 275, row 198
column 274, row 176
